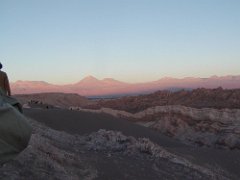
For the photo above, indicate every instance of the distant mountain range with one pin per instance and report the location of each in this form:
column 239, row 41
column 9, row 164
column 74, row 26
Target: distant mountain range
column 91, row 86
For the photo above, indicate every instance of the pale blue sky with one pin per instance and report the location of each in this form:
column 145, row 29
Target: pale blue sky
column 61, row 41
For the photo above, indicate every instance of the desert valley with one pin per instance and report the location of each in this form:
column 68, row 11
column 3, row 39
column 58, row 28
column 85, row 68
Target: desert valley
column 181, row 134
column 120, row 90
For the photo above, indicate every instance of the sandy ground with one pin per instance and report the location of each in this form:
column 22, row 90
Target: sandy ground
column 75, row 122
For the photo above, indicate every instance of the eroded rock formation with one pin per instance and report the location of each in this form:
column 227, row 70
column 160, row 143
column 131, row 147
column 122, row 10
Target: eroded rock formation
column 57, row 155
column 205, row 127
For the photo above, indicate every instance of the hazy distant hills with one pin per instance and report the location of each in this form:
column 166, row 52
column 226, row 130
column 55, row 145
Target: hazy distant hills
column 91, row 86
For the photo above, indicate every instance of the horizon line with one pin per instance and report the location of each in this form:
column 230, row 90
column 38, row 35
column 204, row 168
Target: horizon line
column 93, row 77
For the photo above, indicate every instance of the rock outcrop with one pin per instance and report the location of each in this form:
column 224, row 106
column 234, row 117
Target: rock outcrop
column 204, row 127
column 57, row 155
column 15, row 132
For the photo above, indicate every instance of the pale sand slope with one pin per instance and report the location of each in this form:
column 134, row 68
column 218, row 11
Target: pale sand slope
column 82, row 122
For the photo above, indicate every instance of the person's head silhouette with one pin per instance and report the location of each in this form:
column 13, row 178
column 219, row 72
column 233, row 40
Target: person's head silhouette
column 1, row 66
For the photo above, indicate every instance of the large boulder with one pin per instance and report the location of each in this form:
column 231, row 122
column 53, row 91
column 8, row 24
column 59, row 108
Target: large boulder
column 15, row 132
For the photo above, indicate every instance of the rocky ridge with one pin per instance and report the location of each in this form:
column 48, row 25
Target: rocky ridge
column 204, row 127
column 199, row 98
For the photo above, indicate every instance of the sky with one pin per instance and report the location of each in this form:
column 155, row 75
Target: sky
column 62, row 41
